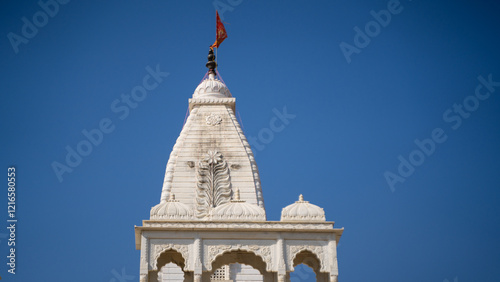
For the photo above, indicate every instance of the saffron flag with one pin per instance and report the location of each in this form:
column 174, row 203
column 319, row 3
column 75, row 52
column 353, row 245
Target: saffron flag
column 221, row 33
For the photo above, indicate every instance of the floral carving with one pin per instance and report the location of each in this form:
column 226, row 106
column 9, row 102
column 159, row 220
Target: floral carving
column 213, row 119
column 213, row 185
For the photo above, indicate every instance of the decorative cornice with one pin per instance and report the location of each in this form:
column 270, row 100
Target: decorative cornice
column 268, row 225
column 212, row 101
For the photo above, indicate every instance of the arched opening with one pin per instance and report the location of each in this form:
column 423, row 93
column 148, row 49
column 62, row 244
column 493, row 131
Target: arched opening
column 302, row 273
column 241, row 266
column 171, row 272
column 170, row 265
column 307, row 268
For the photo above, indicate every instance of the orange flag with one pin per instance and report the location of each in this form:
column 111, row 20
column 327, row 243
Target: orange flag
column 221, row 33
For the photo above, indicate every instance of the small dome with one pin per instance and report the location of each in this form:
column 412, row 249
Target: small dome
column 238, row 210
column 171, row 210
column 211, row 87
column 302, row 211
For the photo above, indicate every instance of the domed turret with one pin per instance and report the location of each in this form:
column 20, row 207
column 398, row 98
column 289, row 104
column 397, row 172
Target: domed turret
column 171, row 210
column 238, row 210
column 302, row 211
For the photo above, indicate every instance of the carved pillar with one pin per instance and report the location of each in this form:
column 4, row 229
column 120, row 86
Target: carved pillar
column 197, row 278
column 281, row 277
column 281, row 256
column 332, row 258
column 198, row 256
column 144, row 267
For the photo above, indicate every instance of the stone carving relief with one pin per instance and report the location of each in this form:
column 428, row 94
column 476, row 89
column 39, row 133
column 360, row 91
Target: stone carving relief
column 216, row 250
column 213, row 184
column 159, row 249
column 213, row 119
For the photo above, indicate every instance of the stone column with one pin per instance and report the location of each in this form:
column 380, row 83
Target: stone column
column 281, row 267
column 332, row 258
column 144, row 267
column 198, row 259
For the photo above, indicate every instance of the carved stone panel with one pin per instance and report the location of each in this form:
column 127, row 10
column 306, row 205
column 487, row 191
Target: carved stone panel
column 213, row 119
column 213, row 184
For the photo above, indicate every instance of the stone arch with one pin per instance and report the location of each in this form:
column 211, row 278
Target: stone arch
column 314, row 251
column 165, row 254
column 170, row 256
column 241, row 257
column 262, row 252
column 308, row 258
column 311, row 260
column 302, row 272
column 171, row 272
column 177, row 254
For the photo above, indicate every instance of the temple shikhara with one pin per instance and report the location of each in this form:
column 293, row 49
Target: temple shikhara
column 210, row 223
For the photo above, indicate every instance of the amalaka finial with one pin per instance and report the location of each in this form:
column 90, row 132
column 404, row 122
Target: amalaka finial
column 301, row 198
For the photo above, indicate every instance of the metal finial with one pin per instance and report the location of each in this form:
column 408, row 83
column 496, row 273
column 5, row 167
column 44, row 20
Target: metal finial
column 211, row 64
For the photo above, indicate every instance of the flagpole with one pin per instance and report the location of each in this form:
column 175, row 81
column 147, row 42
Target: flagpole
column 216, row 47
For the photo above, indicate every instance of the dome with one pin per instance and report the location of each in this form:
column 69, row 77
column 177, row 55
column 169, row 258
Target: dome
column 171, row 210
column 211, row 87
column 302, row 211
column 238, row 210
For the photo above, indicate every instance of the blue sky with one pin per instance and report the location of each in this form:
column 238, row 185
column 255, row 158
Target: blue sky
column 432, row 67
